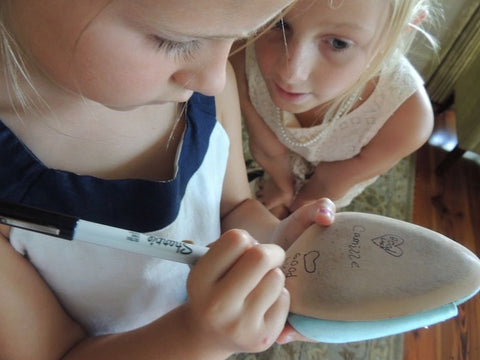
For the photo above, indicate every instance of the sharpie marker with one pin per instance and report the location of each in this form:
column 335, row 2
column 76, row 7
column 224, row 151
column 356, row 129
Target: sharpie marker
column 74, row 229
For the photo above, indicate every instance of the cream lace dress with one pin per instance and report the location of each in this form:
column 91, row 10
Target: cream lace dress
column 339, row 140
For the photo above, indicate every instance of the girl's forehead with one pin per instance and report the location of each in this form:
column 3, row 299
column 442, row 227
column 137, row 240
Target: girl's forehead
column 209, row 18
column 367, row 15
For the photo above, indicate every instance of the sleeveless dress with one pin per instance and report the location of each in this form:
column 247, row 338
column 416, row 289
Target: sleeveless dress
column 108, row 290
column 339, row 140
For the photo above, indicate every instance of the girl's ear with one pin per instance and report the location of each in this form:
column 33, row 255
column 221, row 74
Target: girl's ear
column 418, row 19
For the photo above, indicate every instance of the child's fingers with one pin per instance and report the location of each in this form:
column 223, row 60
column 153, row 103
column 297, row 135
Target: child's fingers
column 266, row 293
column 233, row 300
column 321, row 211
column 289, row 334
column 249, row 270
column 325, row 211
column 223, row 254
column 276, row 316
column 202, row 283
column 266, row 309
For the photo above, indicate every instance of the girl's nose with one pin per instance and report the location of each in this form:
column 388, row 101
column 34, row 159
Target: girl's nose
column 207, row 74
column 296, row 63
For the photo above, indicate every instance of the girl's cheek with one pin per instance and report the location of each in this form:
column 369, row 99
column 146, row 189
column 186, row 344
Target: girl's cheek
column 268, row 57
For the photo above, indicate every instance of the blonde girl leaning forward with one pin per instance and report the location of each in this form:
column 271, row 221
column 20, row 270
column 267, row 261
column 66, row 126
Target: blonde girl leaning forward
column 102, row 117
column 330, row 100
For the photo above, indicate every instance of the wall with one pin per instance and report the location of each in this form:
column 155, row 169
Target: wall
column 456, row 14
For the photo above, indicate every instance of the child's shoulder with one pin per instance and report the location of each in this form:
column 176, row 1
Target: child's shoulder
column 397, row 81
column 401, row 70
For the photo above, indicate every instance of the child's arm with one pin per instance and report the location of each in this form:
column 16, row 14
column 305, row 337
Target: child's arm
column 264, row 145
column 239, row 210
column 236, row 303
column 407, row 129
column 33, row 325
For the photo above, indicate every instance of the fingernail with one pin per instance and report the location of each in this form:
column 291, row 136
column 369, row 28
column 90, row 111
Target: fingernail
column 326, row 211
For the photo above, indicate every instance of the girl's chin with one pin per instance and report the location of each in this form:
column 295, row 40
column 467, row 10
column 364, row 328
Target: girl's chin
column 292, row 108
column 293, row 103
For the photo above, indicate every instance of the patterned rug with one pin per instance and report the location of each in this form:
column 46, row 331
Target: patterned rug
column 391, row 195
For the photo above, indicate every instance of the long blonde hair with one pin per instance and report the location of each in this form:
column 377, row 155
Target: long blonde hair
column 17, row 64
column 21, row 92
column 407, row 19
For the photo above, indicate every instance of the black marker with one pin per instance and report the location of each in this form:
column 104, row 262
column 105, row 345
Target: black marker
column 74, row 229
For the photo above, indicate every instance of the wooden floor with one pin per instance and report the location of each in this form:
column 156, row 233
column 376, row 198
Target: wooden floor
column 449, row 204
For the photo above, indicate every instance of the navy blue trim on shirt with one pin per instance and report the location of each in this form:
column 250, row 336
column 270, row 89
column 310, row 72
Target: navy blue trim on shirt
column 134, row 204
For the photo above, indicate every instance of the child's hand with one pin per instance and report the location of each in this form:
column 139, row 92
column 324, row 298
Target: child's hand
column 280, row 212
column 289, row 334
column 272, row 196
column 237, row 300
column 288, row 230
column 309, row 192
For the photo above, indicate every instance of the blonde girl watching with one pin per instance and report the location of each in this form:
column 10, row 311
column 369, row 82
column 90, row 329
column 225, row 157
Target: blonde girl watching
column 125, row 112
column 329, row 99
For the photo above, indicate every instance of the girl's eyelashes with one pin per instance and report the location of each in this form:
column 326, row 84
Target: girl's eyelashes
column 186, row 49
column 337, row 44
column 334, row 43
column 281, row 25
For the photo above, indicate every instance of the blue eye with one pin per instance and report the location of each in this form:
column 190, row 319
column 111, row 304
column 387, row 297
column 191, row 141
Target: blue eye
column 339, row 44
column 175, row 48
